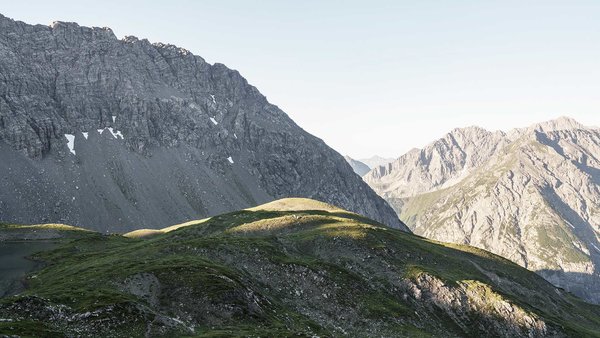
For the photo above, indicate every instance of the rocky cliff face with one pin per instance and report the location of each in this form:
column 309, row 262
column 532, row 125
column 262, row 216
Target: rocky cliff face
column 440, row 164
column 115, row 135
column 531, row 195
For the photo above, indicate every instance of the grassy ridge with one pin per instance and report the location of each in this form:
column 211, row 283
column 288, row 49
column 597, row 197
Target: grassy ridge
column 280, row 271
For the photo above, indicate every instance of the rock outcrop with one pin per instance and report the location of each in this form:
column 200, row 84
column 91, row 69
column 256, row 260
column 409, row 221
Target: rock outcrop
column 118, row 134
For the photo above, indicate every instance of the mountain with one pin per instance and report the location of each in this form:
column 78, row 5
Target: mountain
column 293, row 267
column 118, row 134
column 376, row 161
column 531, row 195
column 441, row 163
column 359, row 168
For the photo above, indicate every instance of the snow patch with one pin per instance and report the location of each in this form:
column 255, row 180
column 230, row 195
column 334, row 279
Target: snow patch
column 234, row 135
column 85, row 134
column 214, row 121
column 114, row 118
column 230, row 159
column 71, row 142
column 595, row 247
column 213, row 98
column 115, row 134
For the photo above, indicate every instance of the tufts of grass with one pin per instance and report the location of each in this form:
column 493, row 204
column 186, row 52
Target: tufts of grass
column 208, row 270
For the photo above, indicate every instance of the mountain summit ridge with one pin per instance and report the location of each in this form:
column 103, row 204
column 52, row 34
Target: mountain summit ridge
column 531, row 195
column 119, row 134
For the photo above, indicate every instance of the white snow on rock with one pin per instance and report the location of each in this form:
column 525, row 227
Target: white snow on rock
column 230, row 159
column 114, row 118
column 115, row 134
column 234, row 135
column 595, row 247
column 213, row 98
column 85, row 134
column 214, row 121
column 71, row 142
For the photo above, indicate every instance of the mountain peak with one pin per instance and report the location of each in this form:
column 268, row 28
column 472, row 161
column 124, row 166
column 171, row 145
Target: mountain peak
column 471, row 133
column 179, row 114
column 59, row 24
column 486, row 189
column 468, row 129
column 376, row 161
column 560, row 123
column 63, row 27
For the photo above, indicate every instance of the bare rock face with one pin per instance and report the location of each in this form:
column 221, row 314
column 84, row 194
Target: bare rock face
column 531, row 195
column 116, row 135
column 442, row 163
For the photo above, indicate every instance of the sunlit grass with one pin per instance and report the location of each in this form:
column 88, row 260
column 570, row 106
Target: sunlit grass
column 359, row 256
column 296, row 204
column 141, row 233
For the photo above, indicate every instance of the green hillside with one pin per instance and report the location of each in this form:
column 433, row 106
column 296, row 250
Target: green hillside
column 293, row 267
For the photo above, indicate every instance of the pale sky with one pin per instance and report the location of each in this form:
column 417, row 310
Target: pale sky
column 379, row 77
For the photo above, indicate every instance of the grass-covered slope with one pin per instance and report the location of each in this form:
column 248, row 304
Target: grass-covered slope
column 290, row 268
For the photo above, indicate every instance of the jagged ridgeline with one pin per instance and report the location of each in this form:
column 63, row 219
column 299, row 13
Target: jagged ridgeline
column 118, row 134
column 293, row 267
column 531, row 195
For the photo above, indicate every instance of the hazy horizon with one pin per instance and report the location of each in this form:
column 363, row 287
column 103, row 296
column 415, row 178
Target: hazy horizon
column 383, row 78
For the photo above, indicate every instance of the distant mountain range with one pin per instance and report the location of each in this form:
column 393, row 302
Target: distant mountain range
column 531, row 195
column 363, row 166
column 359, row 168
column 119, row 134
column 376, row 161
